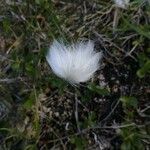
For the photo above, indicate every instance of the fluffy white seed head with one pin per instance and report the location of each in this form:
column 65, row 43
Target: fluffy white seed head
column 75, row 63
column 122, row 3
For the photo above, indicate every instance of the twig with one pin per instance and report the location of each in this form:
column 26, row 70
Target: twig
column 3, row 58
column 111, row 111
column 61, row 140
column 145, row 109
column 116, row 19
column 6, row 80
column 76, row 113
column 101, row 127
column 129, row 53
column 108, row 40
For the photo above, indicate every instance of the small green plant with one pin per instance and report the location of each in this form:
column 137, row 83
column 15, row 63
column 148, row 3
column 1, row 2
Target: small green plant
column 132, row 134
column 99, row 90
column 132, row 138
column 79, row 142
column 144, row 62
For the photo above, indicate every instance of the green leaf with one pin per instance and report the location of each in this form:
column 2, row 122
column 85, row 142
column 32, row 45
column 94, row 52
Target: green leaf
column 79, row 142
column 144, row 70
column 90, row 120
column 30, row 101
column 129, row 101
column 126, row 146
column 58, row 83
column 99, row 90
column 31, row 147
column 141, row 30
column 142, row 57
column 6, row 25
column 86, row 95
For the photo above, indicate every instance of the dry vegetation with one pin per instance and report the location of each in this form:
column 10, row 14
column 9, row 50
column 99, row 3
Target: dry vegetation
column 40, row 111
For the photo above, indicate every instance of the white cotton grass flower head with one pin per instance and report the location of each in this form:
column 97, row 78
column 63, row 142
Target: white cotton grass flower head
column 122, row 3
column 74, row 63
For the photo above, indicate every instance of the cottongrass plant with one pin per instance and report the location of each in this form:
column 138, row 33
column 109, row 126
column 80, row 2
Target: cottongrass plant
column 74, row 63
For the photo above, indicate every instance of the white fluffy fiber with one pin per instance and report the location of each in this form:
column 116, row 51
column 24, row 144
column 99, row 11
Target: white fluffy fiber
column 122, row 3
column 75, row 63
